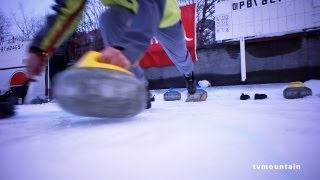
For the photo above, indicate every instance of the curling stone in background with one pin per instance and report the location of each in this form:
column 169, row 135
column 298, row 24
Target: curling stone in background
column 95, row 89
column 199, row 95
column 296, row 90
column 172, row 95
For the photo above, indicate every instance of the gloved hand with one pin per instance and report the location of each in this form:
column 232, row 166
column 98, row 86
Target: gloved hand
column 36, row 62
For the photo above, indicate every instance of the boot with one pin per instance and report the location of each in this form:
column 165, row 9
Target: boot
column 7, row 105
column 244, row 97
column 150, row 98
column 190, row 83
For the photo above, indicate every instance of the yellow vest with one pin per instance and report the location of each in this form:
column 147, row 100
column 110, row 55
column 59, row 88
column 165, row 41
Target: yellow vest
column 171, row 13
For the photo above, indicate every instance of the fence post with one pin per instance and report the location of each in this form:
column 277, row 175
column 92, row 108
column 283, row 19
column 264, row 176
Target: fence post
column 243, row 59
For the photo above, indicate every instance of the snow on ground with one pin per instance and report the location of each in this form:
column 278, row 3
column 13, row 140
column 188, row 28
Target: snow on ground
column 221, row 138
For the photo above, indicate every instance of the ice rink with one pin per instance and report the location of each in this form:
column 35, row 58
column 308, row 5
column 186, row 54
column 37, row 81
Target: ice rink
column 221, row 138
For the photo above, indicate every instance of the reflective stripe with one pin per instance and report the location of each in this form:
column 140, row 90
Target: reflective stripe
column 171, row 14
column 66, row 21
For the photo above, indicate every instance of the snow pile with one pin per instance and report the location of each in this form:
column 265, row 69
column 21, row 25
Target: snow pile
column 204, row 83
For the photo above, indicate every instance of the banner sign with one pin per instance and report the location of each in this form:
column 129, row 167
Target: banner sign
column 13, row 54
column 156, row 56
column 236, row 19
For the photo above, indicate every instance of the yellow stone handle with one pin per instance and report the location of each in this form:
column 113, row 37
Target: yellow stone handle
column 91, row 60
column 296, row 84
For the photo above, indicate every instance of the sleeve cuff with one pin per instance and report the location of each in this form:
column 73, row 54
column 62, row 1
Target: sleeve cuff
column 38, row 51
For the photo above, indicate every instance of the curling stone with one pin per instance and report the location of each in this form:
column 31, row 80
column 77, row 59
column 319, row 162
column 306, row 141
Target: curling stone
column 94, row 89
column 172, row 95
column 296, row 90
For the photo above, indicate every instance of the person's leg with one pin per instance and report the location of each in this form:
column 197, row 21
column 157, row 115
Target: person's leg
column 132, row 32
column 173, row 42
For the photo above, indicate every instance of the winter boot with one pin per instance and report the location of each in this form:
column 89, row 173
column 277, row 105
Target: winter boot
column 244, row 97
column 7, row 102
column 190, row 83
column 150, row 98
column 260, row 96
column 6, row 110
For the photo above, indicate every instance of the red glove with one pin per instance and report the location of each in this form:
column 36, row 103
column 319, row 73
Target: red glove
column 36, row 62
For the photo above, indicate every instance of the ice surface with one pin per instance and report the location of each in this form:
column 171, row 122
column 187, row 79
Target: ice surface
column 221, row 138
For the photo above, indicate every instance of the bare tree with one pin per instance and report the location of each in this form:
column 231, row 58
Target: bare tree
column 87, row 35
column 4, row 27
column 27, row 26
column 205, row 22
column 90, row 20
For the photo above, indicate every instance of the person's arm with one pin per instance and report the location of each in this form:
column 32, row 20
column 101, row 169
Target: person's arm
column 58, row 28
